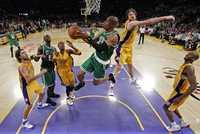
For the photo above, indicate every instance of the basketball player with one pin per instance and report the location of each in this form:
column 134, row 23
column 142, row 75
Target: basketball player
column 29, row 84
column 184, row 84
column 12, row 40
column 45, row 52
column 125, row 50
column 104, row 45
column 64, row 63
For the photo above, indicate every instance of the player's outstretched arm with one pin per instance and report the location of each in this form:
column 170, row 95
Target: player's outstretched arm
column 150, row 21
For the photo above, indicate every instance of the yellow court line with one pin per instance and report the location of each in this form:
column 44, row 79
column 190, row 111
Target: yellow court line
column 151, row 106
column 20, row 127
column 96, row 96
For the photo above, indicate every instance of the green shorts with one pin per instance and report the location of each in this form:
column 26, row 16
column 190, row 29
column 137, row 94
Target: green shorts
column 48, row 78
column 93, row 66
column 14, row 43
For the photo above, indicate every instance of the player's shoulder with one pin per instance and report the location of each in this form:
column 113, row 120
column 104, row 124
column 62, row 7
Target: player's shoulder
column 188, row 68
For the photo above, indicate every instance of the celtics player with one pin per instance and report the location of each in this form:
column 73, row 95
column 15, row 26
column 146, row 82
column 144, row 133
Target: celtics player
column 45, row 52
column 104, row 45
column 12, row 40
column 125, row 50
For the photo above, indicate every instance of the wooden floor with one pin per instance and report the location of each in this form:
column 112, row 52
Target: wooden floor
column 149, row 60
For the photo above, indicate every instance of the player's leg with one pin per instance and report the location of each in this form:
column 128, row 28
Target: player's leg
column 117, row 70
column 173, row 125
column 25, row 121
column 11, row 51
column 182, row 122
column 99, row 74
column 87, row 66
column 49, row 81
column 39, row 91
column 70, row 88
column 80, row 77
column 169, row 108
column 142, row 38
column 28, row 97
column 100, row 78
column 121, row 61
column 130, row 67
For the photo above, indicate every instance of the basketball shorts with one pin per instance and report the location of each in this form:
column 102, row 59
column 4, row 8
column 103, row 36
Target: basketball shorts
column 29, row 91
column 66, row 77
column 93, row 66
column 125, row 56
column 172, row 106
column 48, row 78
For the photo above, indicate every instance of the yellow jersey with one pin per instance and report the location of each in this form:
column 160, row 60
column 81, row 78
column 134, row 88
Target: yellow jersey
column 29, row 67
column 63, row 61
column 128, row 44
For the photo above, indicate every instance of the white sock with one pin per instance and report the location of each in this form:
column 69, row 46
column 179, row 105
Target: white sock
column 39, row 103
column 173, row 123
column 24, row 120
column 181, row 120
column 112, row 85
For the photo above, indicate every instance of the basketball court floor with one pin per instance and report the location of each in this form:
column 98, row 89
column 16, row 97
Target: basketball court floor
column 135, row 110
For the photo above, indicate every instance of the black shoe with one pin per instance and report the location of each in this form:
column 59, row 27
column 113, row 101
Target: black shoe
column 52, row 103
column 112, row 78
column 79, row 86
column 55, row 96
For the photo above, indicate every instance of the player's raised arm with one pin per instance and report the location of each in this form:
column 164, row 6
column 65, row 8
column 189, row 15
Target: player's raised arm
column 74, row 50
column 150, row 21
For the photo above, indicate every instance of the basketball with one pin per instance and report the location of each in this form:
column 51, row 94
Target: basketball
column 73, row 31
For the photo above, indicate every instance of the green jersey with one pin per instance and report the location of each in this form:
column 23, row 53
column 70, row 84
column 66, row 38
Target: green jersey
column 48, row 51
column 106, row 53
column 12, row 39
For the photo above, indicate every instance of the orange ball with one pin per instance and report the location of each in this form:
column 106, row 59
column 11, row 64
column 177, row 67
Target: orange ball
column 73, row 31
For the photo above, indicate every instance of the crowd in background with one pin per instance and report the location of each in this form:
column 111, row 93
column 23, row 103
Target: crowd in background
column 185, row 30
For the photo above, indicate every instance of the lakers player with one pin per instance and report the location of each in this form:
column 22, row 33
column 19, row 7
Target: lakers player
column 64, row 63
column 184, row 84
column 125, row 50
column 29, row 84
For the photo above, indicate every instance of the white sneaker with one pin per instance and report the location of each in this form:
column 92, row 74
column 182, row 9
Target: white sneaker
column 174, row 128
column 111, row 89
column 133, row 81
column 111, row 92
column 72, row 95
column 69, row 101
column 27, row 124
column 184, row 124
column 42, row 105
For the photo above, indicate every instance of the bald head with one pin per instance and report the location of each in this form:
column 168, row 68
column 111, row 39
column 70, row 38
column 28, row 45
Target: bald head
column 110, row 23
column 47, row 38
column 191, row 56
